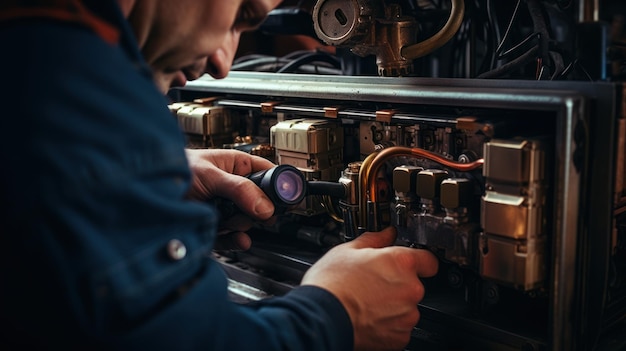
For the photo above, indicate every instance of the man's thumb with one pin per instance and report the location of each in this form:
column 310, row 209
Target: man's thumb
column 384, row 238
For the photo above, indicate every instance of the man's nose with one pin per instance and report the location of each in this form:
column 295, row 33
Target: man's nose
column 218, row 64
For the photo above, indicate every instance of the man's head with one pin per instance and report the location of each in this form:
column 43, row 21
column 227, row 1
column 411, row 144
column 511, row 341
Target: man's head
column 182, row 39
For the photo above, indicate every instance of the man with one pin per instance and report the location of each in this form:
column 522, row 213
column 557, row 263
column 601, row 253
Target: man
column 105, row 244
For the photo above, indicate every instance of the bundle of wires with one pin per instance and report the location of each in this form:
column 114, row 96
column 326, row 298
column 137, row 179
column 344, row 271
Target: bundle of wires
column 536, row 47
column 302, row 61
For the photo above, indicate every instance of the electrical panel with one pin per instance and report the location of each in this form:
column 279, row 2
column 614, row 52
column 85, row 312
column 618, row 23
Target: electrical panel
column 516, row 186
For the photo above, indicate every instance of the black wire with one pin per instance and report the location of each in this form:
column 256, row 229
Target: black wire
column 584, row 71
column 518, row 46
column 296, row 54
column 253, row 60
column 558, row 53
column 566, row 71
column 494, row 38
column 265, row 63
column 536, row 11
column 559, row 65
column 248, row 57
column 254, row 63
column 518, row 62
column 509, row 26
column 311, row 69
column 317, row 69
column 306, row 59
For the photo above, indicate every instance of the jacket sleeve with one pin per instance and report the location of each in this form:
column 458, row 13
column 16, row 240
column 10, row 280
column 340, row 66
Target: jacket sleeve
column 105, row 251
column 307, row 318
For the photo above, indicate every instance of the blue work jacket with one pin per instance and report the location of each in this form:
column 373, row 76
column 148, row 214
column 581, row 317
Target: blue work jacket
column 100, row 247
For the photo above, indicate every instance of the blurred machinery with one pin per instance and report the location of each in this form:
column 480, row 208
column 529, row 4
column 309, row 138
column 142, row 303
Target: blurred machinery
column 491, row 133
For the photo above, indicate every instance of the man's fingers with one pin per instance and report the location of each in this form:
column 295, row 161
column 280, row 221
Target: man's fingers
column 232, row 241
column 237, row 223
column 221, row 173
column 380, row 239
column 256, row 164
column 424, row 262
column 244, row 193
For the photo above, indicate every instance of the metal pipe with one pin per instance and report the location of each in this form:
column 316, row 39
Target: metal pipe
column 443, row 36
column 395, row 151
column 363, row 176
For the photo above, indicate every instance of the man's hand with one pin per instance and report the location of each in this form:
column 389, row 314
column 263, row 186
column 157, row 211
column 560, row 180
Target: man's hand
column 378, row 286
column 221, row 173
